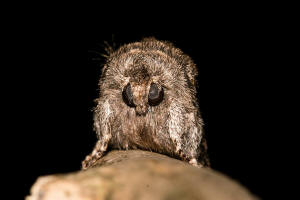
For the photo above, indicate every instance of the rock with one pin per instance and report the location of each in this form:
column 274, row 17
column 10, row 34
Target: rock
column 141, row 175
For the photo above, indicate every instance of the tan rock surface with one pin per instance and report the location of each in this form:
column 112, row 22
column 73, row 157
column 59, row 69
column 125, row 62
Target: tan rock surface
column 139, row 175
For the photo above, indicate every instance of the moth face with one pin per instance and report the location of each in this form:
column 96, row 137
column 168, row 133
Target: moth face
column 140, row 96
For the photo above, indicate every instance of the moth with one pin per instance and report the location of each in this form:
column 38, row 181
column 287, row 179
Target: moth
column 148, row 101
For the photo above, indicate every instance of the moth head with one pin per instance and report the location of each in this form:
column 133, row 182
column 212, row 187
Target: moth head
column 142, row 95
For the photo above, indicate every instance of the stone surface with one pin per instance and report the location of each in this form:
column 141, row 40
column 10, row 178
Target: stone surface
column 141, row 175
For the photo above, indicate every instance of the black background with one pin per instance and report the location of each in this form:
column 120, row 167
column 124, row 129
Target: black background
column 56, row 90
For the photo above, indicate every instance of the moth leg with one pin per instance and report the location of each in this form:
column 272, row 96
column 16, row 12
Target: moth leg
column 98, row 152
column 195, row 163
column 102, row 126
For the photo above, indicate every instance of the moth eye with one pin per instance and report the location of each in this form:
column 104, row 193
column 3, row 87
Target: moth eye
column 155, row 95
column 128, row 96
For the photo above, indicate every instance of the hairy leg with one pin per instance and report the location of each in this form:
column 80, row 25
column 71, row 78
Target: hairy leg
column 187, row 137
column 102, row 126
column 97, row 153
